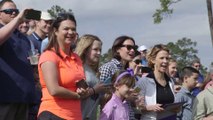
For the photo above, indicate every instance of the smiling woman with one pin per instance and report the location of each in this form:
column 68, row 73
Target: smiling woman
column 59, row 71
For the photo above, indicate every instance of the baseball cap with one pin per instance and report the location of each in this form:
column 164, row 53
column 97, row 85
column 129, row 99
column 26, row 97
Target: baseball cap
column 142, row 48
column 46, row 16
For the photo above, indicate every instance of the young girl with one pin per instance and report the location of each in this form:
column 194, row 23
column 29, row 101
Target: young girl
column 116, row 108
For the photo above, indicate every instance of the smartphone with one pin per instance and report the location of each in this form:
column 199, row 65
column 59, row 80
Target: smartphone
column 33, row 14
column 82, row 84
column 146, row 70
column 107, row 81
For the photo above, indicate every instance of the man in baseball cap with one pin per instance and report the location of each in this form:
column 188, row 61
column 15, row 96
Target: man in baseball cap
column 143, row 50
column 41, row 30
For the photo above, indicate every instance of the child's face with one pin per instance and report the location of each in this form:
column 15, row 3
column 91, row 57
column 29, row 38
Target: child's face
column 192, row 80
column 123, row 90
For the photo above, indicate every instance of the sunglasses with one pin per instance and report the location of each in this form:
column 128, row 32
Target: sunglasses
column 10, row 11
column 137, row 61
column 129, row 47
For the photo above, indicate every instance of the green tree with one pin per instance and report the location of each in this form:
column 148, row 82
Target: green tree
column 106, row 57
column 55, row 9
column 183, row 51
column 166, row 10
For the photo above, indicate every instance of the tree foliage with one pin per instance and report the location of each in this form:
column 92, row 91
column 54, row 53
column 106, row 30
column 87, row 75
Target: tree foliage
column 106, row 57
column 55, row 9
column 164, row 10
column 184, row 52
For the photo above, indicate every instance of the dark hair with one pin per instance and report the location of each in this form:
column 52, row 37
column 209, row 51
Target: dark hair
column 55, row 25
column 126, row 79
column 4, row 1
column 195, row 61
column 117, row 44
column 187, row 72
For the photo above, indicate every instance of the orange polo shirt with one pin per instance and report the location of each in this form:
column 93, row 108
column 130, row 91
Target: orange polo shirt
column 70, row 70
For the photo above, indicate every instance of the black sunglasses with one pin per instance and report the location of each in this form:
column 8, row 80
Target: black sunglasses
column 137, row 61
column 10, row 11
column 129, row 47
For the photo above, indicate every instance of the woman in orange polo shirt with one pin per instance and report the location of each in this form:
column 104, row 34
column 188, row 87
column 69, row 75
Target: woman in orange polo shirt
column 59, row 70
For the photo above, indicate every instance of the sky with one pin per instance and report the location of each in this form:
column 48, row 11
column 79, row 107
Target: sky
column 109, row 19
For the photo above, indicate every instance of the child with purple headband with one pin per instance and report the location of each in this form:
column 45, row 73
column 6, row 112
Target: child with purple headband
column 116, row 108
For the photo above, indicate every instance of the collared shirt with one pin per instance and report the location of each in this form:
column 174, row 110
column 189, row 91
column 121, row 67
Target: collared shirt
column 16, row 74
column 44, row 44
column 115, row 109
column 70, row 70
column 185, row 95
column 107, row 71
column 203, row 105
column 109, row 68
column 36, row 40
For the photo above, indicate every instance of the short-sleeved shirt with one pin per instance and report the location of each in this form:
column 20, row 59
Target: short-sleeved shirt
column 115, row 109
column 16, row 74
column 70, row 71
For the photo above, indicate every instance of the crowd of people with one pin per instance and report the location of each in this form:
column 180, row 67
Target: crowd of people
column 50, row 72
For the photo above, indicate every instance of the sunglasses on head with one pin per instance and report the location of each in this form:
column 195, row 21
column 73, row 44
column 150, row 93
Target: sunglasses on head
column 10, row 11
column 129, row 47
column 137, row 61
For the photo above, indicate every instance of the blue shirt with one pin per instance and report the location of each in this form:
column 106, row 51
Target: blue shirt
column 16, row 74
column 144, row 62
column 44, row 44
column 185, row 95
column 197, row 90
column 36, row 40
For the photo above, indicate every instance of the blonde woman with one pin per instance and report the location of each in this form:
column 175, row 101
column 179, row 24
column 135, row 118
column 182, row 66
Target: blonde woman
column 157, row 88
column 89, row 49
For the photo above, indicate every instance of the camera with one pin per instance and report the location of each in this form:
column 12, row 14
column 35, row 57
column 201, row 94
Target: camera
column 33, row 14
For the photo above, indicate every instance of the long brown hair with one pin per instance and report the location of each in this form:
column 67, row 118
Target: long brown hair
column 53, row 43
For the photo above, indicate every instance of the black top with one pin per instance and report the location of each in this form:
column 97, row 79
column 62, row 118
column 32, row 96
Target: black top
column 16, row 74
column 164, row 94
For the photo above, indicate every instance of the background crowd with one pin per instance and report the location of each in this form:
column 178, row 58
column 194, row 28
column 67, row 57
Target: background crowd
column 49, row 72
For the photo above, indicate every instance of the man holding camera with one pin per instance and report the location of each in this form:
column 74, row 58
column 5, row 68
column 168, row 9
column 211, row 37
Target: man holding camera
column 17, row 85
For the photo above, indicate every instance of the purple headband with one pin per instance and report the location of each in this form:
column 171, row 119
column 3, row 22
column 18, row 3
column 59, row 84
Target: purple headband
column 128, row 71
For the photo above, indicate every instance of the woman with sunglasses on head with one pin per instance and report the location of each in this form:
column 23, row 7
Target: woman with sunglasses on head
column 156, row 87
column 59, row 71
column 123, row 51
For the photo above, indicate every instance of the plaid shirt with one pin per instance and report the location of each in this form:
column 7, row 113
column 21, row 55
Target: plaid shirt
column 107, row 71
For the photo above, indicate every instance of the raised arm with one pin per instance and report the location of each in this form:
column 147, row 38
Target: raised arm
column 7, row 29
